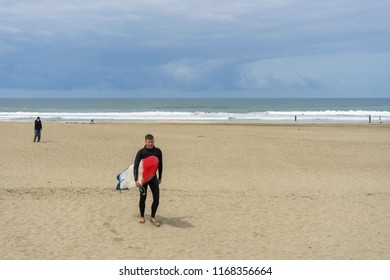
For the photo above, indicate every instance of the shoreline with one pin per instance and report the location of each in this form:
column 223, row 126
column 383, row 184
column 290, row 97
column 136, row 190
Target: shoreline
column 148, row 122
column 218, row 110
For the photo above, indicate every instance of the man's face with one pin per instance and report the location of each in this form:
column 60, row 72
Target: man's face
column 149, row 144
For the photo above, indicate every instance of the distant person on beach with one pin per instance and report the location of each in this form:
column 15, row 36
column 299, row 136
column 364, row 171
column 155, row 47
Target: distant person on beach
column 37, row 129
column 149, row 150
column 369, row 118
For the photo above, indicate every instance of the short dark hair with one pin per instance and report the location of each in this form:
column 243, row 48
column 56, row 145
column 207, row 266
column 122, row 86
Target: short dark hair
column 149, row 137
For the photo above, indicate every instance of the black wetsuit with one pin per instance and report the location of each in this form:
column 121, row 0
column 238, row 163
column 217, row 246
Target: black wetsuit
column 153, row 183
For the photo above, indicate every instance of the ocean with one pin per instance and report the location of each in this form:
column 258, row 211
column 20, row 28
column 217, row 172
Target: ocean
column 209, row 110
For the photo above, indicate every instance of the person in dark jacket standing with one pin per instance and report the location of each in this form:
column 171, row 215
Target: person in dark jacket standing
column 37, row 129
column 149, row 150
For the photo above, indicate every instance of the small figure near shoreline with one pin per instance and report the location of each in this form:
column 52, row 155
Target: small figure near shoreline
column 37, row 129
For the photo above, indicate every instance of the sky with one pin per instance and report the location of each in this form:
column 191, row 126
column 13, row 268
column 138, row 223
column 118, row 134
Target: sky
column 195, row 48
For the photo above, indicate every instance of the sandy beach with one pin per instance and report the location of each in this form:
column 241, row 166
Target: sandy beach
column 229, row 191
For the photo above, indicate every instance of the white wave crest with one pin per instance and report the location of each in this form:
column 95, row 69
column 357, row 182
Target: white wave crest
column 269, row 116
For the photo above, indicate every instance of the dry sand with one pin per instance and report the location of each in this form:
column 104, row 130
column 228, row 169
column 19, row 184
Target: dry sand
column 229, row 191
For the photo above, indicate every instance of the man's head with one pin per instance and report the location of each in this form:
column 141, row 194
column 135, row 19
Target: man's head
column 149, row 141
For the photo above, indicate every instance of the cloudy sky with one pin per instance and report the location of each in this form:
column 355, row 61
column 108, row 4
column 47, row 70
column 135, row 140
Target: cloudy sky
column 194, row 48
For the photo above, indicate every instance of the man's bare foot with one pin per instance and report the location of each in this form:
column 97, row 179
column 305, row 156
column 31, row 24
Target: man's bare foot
column 154, row 222
column 142, row 220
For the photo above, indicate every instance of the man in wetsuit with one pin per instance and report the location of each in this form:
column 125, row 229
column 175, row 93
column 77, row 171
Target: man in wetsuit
column 149, row 150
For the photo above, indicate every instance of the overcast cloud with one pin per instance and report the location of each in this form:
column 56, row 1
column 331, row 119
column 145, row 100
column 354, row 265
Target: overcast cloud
column 129, row 48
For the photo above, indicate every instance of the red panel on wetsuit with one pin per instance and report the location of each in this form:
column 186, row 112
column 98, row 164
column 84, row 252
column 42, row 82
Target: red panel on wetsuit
column 150, row 166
